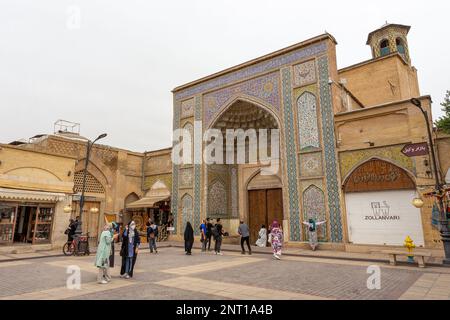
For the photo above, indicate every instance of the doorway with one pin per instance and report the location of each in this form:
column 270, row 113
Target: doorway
column 264, row 206
column 90, row 219
column 24, row 229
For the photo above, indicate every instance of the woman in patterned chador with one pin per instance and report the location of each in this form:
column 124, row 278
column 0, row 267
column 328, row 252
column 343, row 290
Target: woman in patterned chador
column 312, row 225
column 276, row 239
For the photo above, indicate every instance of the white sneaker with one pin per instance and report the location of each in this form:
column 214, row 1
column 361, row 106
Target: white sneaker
column 220, row 253
column 104, row 282
column 276, row 256
column 127, row 276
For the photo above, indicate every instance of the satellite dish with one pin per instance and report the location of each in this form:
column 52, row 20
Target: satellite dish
column 447, row 176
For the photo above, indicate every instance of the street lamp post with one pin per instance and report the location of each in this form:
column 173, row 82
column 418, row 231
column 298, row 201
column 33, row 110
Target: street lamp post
column 78, row 231
column 443, row 223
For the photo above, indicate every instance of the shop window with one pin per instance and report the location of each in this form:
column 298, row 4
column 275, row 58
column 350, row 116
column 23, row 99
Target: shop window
column 384, row 47
column 43, row 228
column 7, row 215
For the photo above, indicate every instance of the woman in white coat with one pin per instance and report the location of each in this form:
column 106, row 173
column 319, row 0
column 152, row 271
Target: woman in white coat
column 262, row 237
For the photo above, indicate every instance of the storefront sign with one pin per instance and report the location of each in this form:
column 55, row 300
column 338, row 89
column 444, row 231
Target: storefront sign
column 381, row 211
column 378, row 175
column 415, row 149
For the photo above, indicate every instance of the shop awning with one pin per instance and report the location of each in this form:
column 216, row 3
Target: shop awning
column 148, row 202
column 25, row 195
column 152, row 197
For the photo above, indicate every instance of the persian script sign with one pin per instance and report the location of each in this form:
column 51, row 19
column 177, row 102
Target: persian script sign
column 415, row 149
column 378, row 175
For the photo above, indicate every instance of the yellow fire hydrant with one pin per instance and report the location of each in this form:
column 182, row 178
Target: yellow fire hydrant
column 409, row 245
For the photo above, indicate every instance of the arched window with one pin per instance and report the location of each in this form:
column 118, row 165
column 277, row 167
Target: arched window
column 384, row 47
column 400, row 46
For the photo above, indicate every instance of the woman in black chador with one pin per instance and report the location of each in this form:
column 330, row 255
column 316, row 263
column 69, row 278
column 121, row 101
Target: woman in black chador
column 188, row 238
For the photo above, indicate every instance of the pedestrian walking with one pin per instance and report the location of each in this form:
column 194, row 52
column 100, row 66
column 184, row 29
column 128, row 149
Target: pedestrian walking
column 262, row 237
column 103, row 253
column 188, row 238
column 244, row 232
column 217, row 232
column 130, row 246
column 209, row 227
column 152, row 235
column 276, row 239
column 203, row 235
column 312, row 225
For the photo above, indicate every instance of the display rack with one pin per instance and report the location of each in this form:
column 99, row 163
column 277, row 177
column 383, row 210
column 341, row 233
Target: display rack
column 42, row 225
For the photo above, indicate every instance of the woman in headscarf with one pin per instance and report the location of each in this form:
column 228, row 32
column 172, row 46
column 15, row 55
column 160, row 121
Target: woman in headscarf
column 312, row 232
column 188, row 238
column 276, row 239
column 103, row 254
column 129, row 251
column 262, row 237
column 115, row 235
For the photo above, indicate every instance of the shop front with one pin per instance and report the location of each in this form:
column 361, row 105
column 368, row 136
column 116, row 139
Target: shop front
column 378, row 197
column 154, row 206
column 28, row 217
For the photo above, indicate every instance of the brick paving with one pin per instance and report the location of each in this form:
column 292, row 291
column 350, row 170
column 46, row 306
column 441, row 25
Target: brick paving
column 172, row 275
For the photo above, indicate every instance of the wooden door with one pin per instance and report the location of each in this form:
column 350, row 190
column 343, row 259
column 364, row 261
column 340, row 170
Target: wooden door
column 90, row 220
column 264, row 206
column 274, row 206
column 256, row 212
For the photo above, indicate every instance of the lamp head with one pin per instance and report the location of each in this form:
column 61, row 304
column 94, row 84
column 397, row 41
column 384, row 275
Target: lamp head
column 101, row 136
column 417, row 202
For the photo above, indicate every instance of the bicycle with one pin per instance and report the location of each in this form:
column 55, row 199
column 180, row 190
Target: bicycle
column 75, row 246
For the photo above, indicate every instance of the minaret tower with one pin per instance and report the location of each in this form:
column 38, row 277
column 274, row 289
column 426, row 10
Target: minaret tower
column 390, row 38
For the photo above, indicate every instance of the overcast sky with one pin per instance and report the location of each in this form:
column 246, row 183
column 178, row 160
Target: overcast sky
column 113, row 68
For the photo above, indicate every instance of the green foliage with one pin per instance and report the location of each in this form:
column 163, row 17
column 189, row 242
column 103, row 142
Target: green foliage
column 443, row 123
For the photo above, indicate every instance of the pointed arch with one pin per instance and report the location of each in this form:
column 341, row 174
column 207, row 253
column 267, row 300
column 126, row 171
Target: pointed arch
column 187, row 210
column 308, row 126
column 244, row 98
column 378, row 174
column 217, row 199
column 314, row 208
column 93, row 185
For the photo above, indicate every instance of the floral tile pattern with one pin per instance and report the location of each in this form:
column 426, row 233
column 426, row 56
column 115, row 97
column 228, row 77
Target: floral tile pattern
column 264, row 88
column 314, row 207
column 253, row 70
column 307, row 122
column 333, row 187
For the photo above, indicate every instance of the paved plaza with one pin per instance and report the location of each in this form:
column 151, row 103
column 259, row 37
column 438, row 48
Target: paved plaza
column 172, row 275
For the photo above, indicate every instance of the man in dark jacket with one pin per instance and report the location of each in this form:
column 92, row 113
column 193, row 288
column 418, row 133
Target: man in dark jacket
column 188, row 238
column 208, row 233
column 72, row 228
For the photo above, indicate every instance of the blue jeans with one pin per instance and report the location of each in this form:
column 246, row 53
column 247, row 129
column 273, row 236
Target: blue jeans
column 152, row 244
column 128, row 264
